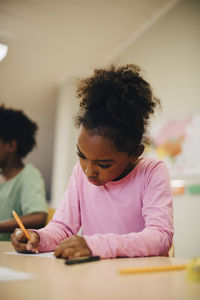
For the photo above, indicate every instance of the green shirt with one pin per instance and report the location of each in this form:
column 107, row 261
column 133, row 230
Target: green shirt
column 25, row 193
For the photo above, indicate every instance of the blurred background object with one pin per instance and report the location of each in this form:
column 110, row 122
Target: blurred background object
column 3, row 51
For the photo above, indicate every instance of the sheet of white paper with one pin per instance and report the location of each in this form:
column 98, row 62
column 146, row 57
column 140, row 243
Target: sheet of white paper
column 7, row 274
column 45, row 254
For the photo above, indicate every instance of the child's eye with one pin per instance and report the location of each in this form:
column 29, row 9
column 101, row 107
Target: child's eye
column 80, row 155
column 104, row 166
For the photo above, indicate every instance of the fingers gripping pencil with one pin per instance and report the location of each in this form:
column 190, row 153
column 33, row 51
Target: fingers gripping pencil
column 19, row 222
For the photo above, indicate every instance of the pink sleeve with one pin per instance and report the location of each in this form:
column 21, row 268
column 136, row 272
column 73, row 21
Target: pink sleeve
column 156, row 238
column 65, row 222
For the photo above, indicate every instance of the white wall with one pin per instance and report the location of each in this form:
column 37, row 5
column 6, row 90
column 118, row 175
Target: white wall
column 42, row 154
column 187, row 224
column 169, row 53
column 64, row 156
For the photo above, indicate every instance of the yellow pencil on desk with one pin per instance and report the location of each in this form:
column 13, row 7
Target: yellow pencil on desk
column 152, row 269
column 19, row 222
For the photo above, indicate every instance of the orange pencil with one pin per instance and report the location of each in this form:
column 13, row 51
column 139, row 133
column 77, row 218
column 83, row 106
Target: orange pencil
column 19, row 222
column 152, row 269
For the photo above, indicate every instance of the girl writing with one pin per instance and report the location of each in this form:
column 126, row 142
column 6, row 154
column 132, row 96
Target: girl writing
column 121, row 200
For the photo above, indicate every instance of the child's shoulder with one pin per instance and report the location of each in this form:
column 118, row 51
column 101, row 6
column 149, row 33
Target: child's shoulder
column 147, row 164
column 30, row 170
column 28, row 167
column 149, row 168
column 77, row 170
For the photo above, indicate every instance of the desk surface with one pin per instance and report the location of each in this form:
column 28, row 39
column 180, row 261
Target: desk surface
column 100, row 280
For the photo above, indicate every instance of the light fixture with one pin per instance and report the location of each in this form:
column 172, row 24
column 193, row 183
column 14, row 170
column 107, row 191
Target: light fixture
column 3, row 51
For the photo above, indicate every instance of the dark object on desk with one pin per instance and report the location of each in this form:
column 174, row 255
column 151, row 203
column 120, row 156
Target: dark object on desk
column 80, row 260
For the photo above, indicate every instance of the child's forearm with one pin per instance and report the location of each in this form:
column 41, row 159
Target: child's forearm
column 8, row 225
column 52, row 235
column 149, row 242
column 35, row 220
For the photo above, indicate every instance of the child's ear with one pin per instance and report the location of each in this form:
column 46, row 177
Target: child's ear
column 12, row 145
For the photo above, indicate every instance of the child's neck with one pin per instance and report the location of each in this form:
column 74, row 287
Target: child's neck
column 11, row 170
column 128, row 169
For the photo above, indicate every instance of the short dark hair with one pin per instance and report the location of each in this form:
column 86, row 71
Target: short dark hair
column 117, row 103
column 15, row 125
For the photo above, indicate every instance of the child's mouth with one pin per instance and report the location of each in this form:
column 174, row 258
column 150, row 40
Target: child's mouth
column 93, row 181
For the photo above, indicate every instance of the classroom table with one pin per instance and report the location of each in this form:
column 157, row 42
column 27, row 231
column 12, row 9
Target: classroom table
column 99, row 280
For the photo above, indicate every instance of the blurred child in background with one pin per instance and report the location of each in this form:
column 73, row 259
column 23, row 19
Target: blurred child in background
column 21, row 185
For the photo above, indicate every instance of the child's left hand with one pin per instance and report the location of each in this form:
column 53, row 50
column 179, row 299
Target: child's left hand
column 74, row 246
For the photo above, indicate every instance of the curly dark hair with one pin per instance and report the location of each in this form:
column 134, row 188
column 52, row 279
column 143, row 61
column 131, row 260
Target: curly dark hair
column 116, row 103
column 15, row 125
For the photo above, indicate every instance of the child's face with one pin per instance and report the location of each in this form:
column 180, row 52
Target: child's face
column 3, row 153
column 100, row 161
column 7, row 152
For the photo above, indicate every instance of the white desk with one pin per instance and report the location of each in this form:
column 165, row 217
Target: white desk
column 98, row 280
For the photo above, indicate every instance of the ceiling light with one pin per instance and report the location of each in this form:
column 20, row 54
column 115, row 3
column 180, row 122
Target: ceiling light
column 3, row 51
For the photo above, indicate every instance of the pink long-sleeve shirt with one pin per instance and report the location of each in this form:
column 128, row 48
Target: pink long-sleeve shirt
column 129, row 217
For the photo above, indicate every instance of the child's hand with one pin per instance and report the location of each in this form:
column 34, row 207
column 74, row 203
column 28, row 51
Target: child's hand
column 74, row 246
column 22, row 244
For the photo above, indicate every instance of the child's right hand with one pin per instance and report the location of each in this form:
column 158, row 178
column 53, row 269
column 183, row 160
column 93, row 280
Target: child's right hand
column 22, row 244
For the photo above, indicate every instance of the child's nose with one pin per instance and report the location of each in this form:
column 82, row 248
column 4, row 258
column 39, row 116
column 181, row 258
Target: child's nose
column 90, row 170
